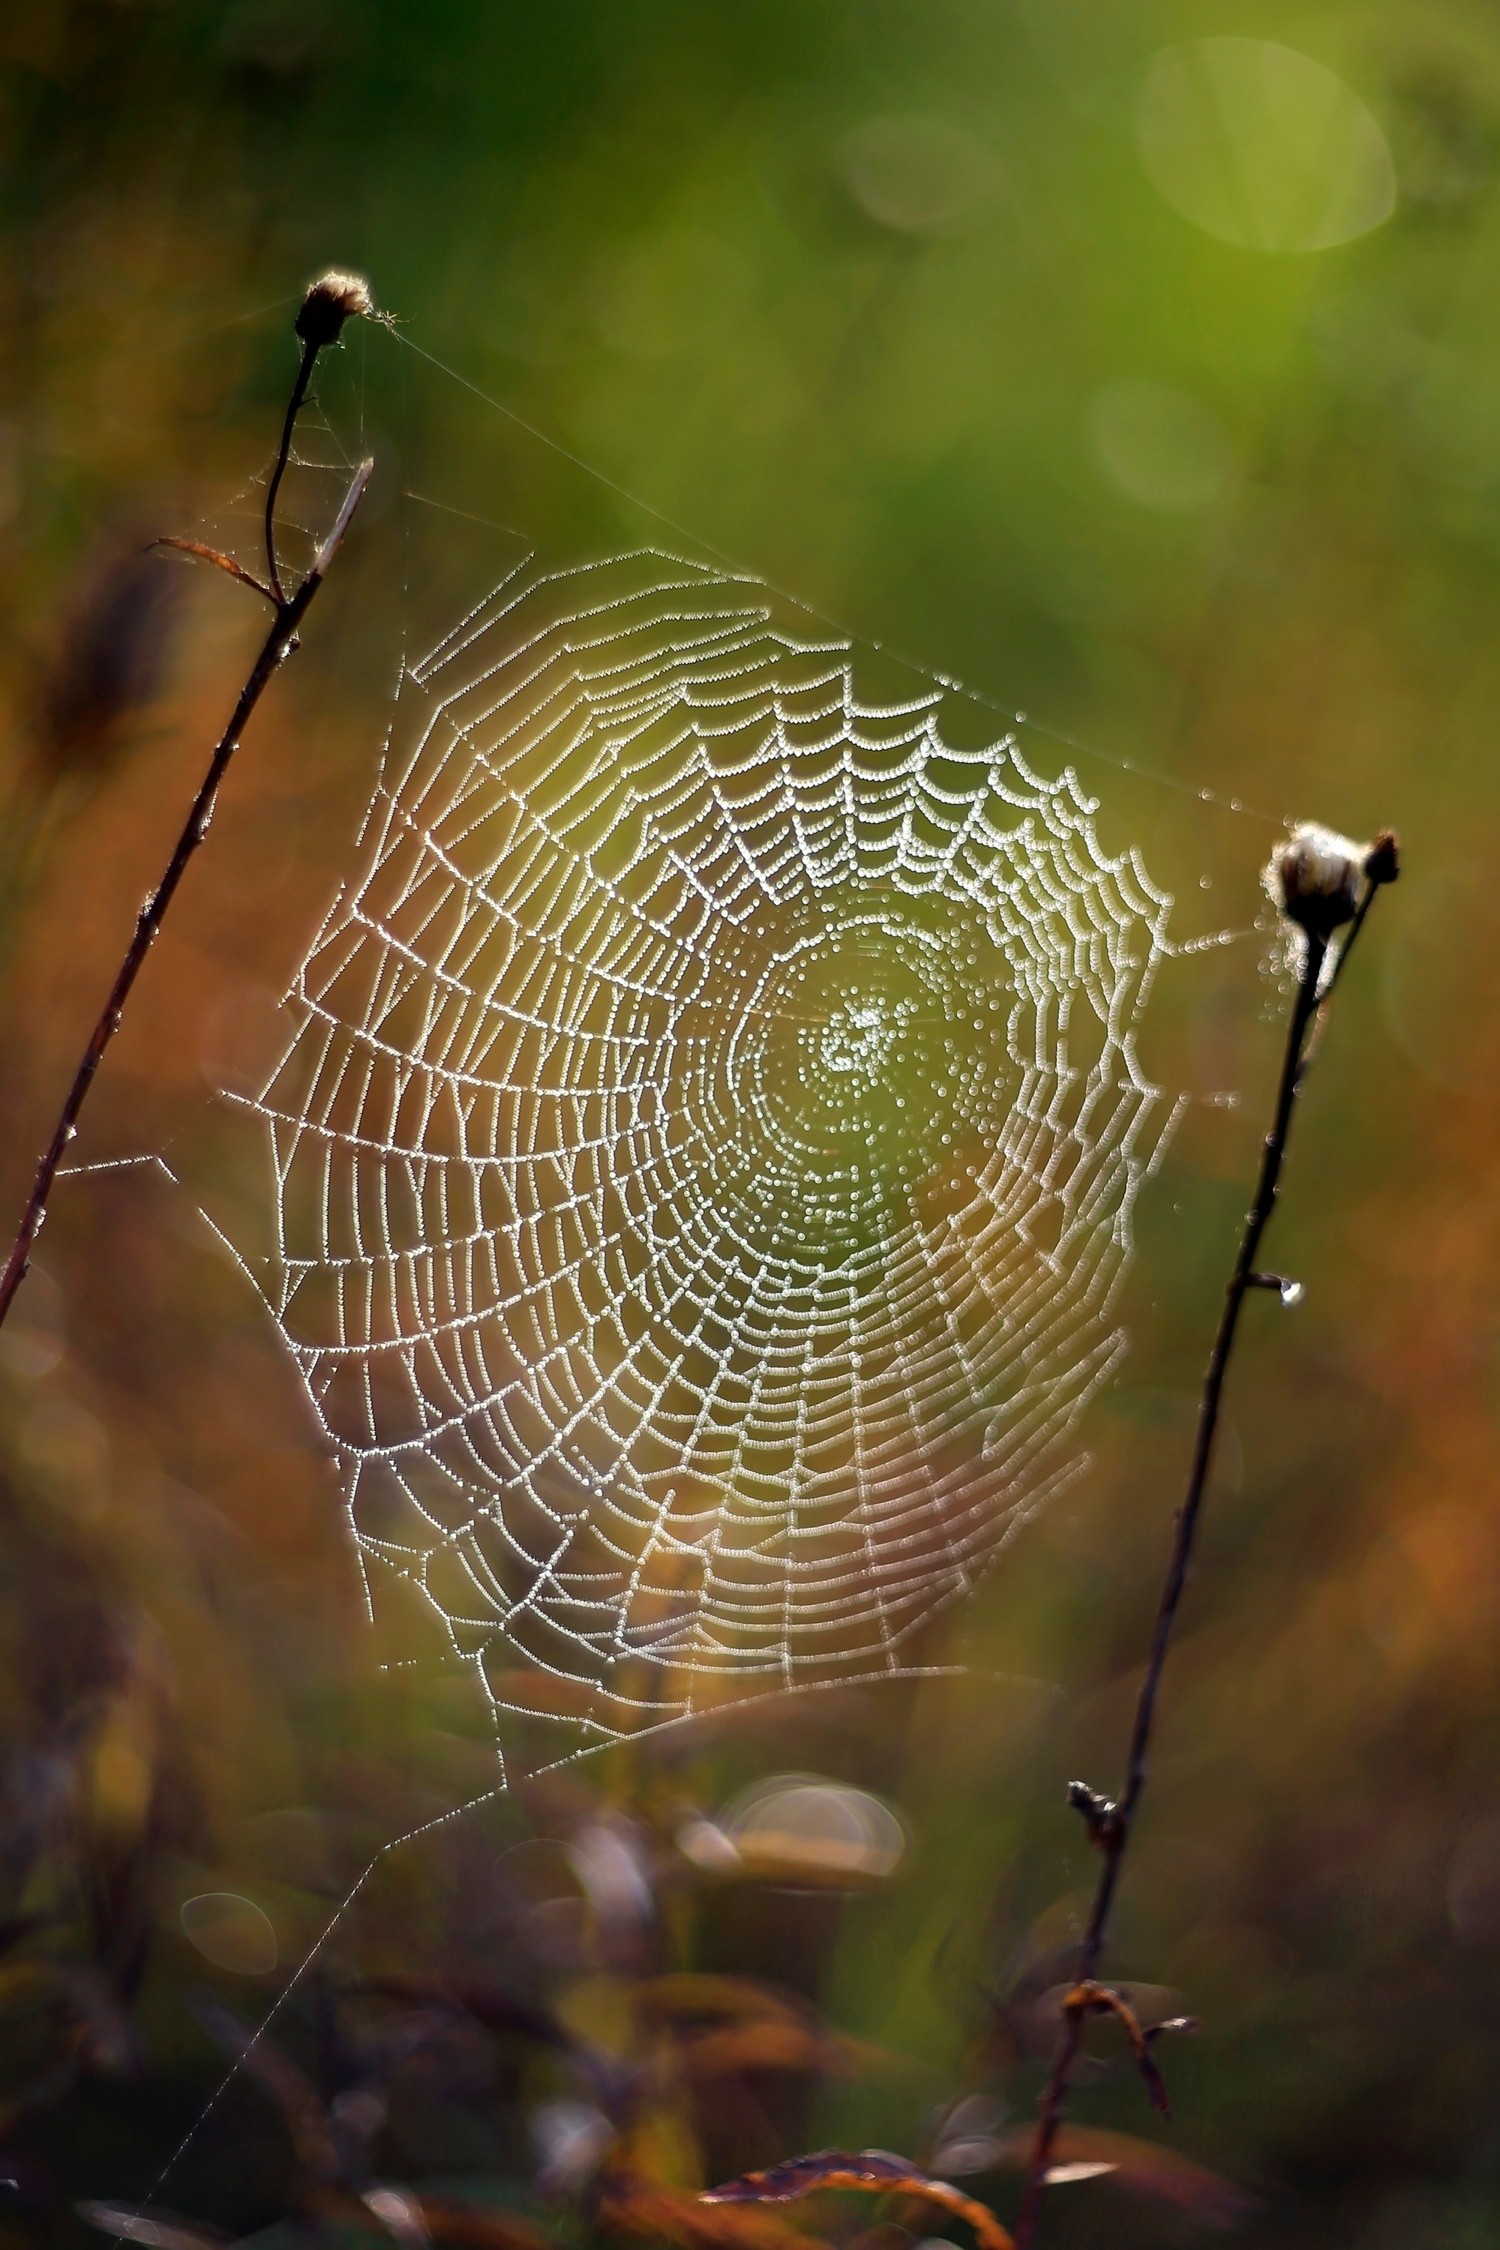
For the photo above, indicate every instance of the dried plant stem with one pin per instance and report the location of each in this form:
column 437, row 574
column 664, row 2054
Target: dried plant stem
column 293, row 409
column 1110, row 1824
column 279, row 643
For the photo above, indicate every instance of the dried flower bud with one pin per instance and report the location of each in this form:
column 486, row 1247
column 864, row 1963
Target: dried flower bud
column 1314, row 878
column 333, row 298
column 1383, row 859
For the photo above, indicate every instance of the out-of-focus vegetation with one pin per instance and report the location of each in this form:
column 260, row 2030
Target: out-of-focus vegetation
column 1152, row 388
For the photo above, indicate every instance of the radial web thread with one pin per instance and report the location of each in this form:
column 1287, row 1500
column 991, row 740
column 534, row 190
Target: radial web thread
column 705, row 1148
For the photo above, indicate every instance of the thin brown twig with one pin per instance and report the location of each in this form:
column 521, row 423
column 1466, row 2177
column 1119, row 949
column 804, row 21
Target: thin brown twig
column 1099, row 2000
column 1109, row 1824
column 278, row 645
column 220, row 562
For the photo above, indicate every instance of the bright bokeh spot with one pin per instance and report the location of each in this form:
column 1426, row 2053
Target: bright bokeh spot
column 1159, row 447
column 813, row 1831
column 1262, row 146
column 230, row 1931
column 920, row 175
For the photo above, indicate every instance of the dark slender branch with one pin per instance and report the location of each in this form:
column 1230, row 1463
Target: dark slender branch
column 278, row 644
column 294, row 407
column 1109, row 1824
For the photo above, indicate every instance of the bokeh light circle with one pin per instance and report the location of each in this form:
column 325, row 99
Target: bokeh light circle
column 1262, row 147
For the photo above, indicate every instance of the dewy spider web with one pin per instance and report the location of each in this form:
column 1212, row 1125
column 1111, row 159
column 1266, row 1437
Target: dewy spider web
column 705, row 1151
column 703, row 1154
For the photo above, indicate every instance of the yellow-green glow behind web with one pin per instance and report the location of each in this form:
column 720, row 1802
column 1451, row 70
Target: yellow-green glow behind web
column 705, row 1149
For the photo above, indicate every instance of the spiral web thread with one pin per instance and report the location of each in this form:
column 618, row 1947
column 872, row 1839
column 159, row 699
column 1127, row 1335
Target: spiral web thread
column 705, row 1148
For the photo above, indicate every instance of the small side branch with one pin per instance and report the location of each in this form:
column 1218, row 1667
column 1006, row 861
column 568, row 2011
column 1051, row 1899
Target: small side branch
column 325, row 307
column 220, row 562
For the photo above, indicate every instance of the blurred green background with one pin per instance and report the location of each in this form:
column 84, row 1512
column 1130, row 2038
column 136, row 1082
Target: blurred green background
column 1146, row 385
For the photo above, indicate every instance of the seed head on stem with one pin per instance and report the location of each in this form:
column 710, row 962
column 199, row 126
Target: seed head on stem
column 1313, row 878
column 1321, row 884
column 331, row 300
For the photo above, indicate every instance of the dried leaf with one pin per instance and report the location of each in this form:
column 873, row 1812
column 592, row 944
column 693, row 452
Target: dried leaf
column 155, row 2229
column 401, row 2214
column 644, row 2209
column 872, row 2172
column 1090, row 1998
column 1141, row 2168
